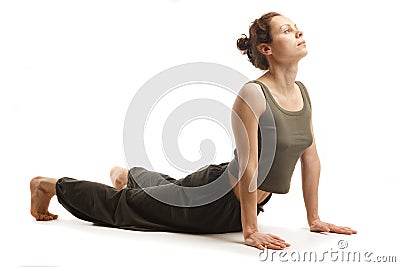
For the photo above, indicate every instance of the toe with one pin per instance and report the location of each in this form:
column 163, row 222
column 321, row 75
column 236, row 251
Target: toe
column 47, row 217
column 52, row 216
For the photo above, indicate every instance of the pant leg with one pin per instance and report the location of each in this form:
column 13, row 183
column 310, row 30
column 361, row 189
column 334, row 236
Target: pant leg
column 139, row 177
column 133, row 208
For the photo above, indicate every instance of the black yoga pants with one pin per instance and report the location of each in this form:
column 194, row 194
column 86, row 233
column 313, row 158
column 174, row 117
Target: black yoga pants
column 133, row 209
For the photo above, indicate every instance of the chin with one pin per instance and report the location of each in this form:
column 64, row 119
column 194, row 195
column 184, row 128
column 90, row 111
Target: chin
column 305, row 52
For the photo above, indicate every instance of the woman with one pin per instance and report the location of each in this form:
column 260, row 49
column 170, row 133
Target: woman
column 276, row 45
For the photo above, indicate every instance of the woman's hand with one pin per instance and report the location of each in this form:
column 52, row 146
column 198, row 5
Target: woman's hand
column 262, row 241
column 320, row 226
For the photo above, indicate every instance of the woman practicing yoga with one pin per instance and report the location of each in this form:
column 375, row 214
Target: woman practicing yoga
column 275, row 45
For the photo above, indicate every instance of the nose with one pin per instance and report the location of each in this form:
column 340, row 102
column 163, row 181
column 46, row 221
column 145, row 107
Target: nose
column 299, row 33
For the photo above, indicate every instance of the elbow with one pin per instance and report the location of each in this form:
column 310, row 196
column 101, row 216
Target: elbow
column 248, row 180
column 247, row 171
column 310, row 163
column 309, row 157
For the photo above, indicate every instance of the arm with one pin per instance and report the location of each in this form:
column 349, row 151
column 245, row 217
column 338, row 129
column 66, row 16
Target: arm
column 248, row 107
column 245, row 113
column 310, row 170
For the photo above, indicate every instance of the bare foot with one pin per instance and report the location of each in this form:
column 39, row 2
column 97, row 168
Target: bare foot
column 119, row 177
column 42, row 190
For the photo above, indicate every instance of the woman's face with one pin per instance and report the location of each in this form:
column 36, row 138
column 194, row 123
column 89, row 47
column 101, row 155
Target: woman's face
column 287, row 44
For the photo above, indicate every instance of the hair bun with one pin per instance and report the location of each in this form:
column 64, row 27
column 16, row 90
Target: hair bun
column 243, row 44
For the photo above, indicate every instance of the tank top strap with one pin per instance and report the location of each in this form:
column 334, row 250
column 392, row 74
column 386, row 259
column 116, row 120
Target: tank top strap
column 304, row 89
column 300, row 84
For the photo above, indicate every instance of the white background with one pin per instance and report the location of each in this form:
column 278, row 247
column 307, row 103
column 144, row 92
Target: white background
column 69, row 69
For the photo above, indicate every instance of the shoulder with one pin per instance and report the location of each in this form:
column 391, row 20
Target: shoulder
column 252, row 94
column 251, row 89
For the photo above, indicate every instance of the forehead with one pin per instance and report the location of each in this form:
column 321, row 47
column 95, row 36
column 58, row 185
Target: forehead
column 278, row 21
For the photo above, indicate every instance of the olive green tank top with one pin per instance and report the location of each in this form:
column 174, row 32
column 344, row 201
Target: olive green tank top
column 283, row 136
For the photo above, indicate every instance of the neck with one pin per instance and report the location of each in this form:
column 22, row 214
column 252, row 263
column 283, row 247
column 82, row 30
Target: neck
column 283, row 77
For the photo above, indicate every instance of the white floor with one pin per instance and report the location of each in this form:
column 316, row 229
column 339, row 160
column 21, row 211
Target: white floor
column 71, row 242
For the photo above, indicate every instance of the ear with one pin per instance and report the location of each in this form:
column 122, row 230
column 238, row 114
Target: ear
column 264, row 49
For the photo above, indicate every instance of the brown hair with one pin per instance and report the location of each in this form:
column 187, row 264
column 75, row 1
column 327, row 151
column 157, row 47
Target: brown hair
column 259, row 32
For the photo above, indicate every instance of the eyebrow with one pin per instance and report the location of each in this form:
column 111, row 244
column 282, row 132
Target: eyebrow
column 287, row 24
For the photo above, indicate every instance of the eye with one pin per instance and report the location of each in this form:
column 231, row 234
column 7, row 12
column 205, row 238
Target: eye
column 286, row 31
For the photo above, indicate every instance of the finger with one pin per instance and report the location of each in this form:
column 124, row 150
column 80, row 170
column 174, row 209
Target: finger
column 336, row 229
column 282, row 243
column 273, row 246
column 344, row 228
column 277, row 237
column 260, row 246
column 277, row 242
column 326, row 228
column 352, row 230
column 346, row 232
column 341, row 230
